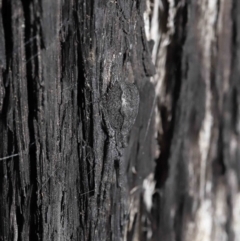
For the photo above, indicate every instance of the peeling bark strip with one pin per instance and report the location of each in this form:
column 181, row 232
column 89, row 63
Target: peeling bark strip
column 62, row 161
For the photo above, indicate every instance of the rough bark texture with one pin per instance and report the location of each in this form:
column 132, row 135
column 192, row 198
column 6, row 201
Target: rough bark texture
column 63, row 171
column 70, row 73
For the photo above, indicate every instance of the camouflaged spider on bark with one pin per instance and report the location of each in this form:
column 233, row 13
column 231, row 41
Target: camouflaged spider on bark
column 121, row 109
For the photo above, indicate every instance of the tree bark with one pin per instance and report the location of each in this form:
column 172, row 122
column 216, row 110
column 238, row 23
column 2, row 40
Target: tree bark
column 197, row 171
column 63, row 174
column 72, row 164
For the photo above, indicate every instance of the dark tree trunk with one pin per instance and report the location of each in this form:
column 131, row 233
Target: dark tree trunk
column 63, row 168
column 74, row 78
